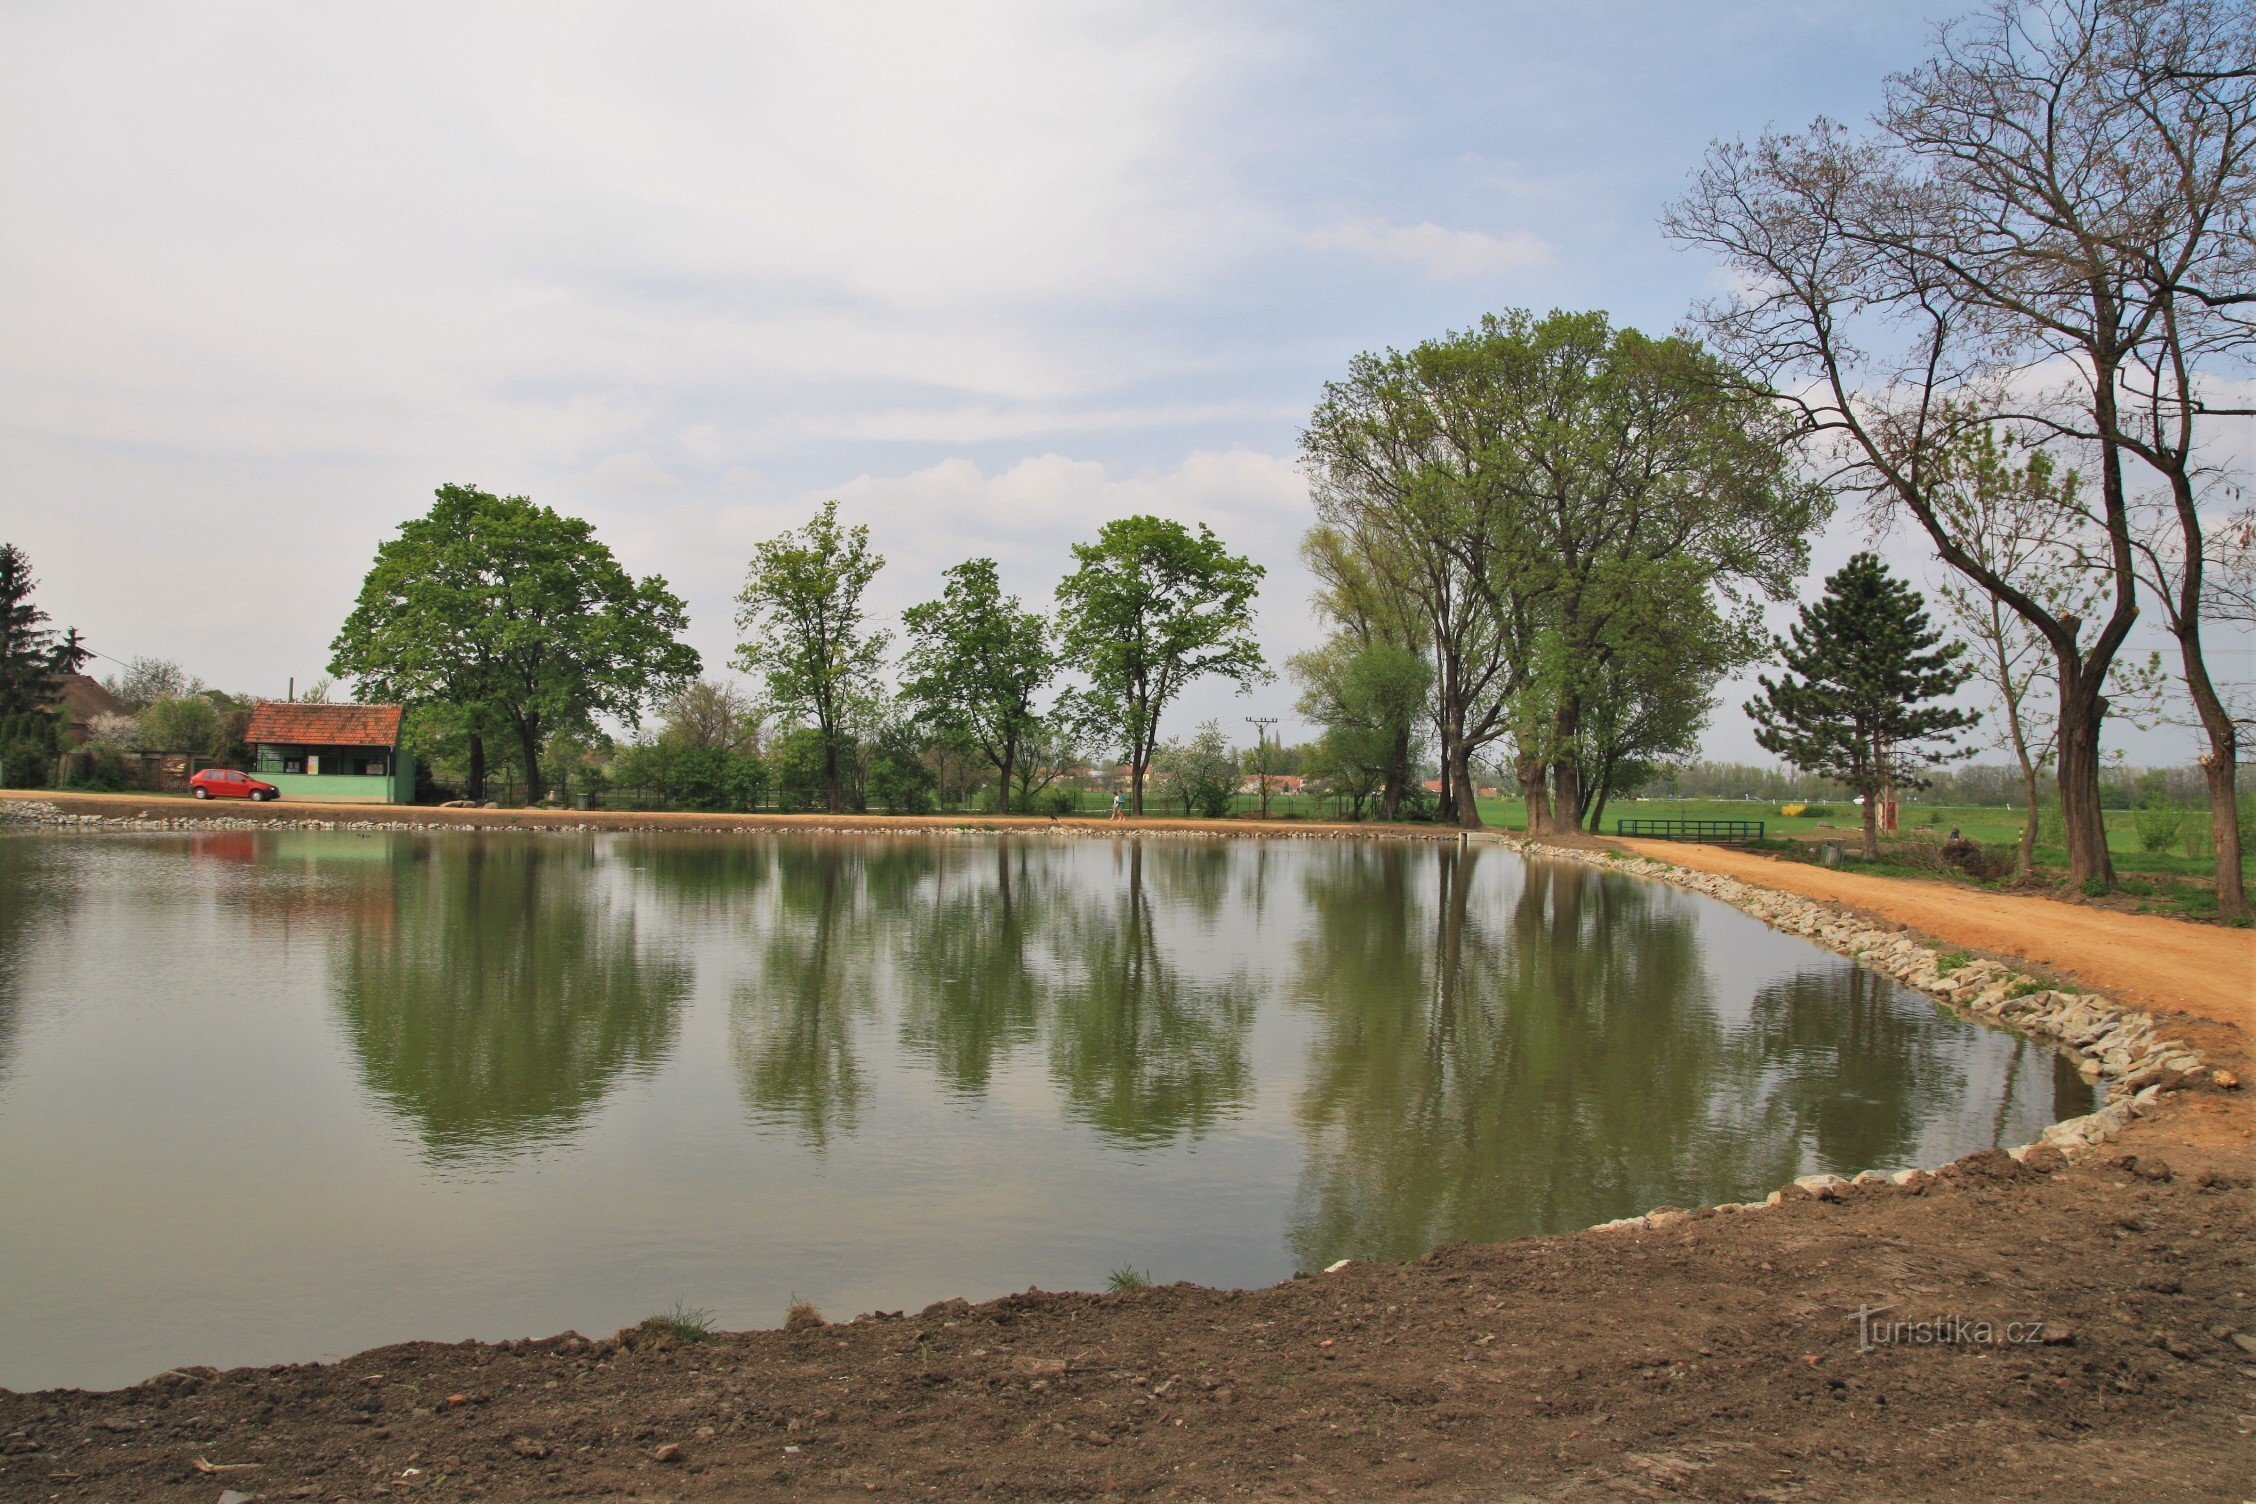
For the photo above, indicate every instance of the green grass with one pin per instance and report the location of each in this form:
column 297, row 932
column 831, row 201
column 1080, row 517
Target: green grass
column 682, row 1323
column 1990, row 825
column 1127, row 1277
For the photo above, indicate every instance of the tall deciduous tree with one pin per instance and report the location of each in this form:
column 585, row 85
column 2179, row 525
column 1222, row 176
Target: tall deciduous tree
column 508, row 615
column 2015, row 509
column 32, row 661
column 1645, row 474
column 1859, row 700
column 1402, row 460
column 1152, row 607
column 975, row 664
column 2060, row 197
column 806, row 634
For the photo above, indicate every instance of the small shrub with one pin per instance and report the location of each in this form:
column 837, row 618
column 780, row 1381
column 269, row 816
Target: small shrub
column 1127, row 1277
column 801, row 1316
column 1793, row 811
column 2095, row 887
column 1950, row 961
column 1057, row 802
column 2159, row 825
column 1817, row 811
column 1934, row 818
column 682, row 1324
column 2199, row 842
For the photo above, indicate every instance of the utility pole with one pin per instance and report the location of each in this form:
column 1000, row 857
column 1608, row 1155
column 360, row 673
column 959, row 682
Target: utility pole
column 1261, row 725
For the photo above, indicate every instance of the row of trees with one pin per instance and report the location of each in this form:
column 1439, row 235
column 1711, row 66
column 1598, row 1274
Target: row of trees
column 493, row 617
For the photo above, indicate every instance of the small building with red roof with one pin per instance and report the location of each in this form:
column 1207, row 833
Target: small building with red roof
column 346, row 753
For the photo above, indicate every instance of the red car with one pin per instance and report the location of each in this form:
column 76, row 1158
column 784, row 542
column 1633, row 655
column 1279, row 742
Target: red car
column 226, row 783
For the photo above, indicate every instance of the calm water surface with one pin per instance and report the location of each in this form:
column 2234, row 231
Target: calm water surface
column 282, row 1096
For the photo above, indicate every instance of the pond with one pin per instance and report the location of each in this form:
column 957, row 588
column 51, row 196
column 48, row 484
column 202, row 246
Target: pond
column 271, row 1096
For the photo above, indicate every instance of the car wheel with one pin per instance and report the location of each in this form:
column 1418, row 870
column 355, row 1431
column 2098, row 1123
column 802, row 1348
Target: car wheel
column 200, row 792
column 260, row 796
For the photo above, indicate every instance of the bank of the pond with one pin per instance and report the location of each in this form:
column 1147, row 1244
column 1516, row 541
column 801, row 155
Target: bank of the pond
column 142, row 812
column 2072, row 1316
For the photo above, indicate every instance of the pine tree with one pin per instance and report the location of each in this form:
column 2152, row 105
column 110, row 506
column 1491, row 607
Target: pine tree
column 1864, row 670
column 30, row 661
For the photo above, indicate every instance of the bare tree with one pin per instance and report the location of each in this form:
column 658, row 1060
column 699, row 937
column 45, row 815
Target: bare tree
column 2016, row 510
column 2048, row 223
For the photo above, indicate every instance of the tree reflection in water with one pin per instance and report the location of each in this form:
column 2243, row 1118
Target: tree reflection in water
column 977, row 961
column 494, row 991
column 1145, row 1052
column 1488, row 1060
column 31, row 881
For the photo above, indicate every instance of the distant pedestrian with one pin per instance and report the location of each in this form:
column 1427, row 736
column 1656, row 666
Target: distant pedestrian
column 1119, row 806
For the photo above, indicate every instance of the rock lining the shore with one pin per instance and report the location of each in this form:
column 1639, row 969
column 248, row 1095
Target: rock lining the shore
column 2119, row 1048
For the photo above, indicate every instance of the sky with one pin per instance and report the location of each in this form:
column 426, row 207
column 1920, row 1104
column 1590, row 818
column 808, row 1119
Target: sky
column 989, row 274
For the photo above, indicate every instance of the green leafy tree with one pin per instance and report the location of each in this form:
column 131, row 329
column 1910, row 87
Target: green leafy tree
column 1152, row 607
column 801, row 611
column 1202, row 773
column 516, row 618
column 1368, row 697
column 975, row 663
column 29, row 743
column 1858, row 701
column 32, row 661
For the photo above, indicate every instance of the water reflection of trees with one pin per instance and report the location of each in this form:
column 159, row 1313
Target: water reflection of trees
column 494, row 992
column 977, row 961
column 1144, row 1050
column 1849, row 1071
column 30, row 895
column 792, row 1026
column 990, row 949
column 1492, row 1061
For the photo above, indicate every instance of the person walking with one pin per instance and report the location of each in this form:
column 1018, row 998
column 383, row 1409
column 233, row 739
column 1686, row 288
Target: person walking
column 1119, row 805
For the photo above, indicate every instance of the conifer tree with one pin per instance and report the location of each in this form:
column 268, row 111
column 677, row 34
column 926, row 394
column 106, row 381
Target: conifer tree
column 1859, row 700
column 31, row 662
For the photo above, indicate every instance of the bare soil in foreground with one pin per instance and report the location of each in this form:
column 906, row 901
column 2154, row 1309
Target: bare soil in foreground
column 1718, row 1357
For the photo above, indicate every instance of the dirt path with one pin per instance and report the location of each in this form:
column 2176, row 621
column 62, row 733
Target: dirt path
column 2157, row 963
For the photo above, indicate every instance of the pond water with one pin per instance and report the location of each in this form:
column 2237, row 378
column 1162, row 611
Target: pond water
column 281, row 1096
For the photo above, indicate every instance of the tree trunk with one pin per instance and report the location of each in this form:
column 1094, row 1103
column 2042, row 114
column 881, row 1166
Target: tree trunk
column 2025, row 860
column 2220, row 774
column 834, row 796
column 1010, row 760
column 2220, row 767
column 1872, row 823
column 1535, row 794
column 1566, row 797
column 528, row 743
column 2088, row 859
column 1396, row 781
column 1459, row 776
column 476, row 792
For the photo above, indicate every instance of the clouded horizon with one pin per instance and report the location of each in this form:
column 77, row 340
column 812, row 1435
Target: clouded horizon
column 988, row 274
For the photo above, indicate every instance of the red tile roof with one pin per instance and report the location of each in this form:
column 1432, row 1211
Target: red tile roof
column 287, row 723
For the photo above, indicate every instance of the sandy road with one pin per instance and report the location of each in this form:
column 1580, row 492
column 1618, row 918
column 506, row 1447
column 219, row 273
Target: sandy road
column 2158, row 963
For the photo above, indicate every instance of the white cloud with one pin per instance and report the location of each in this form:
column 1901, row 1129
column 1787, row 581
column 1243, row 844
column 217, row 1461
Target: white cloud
column 1437, row 251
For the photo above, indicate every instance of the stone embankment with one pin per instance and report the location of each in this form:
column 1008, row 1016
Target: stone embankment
column 2120, row 1049
column 80, row 812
